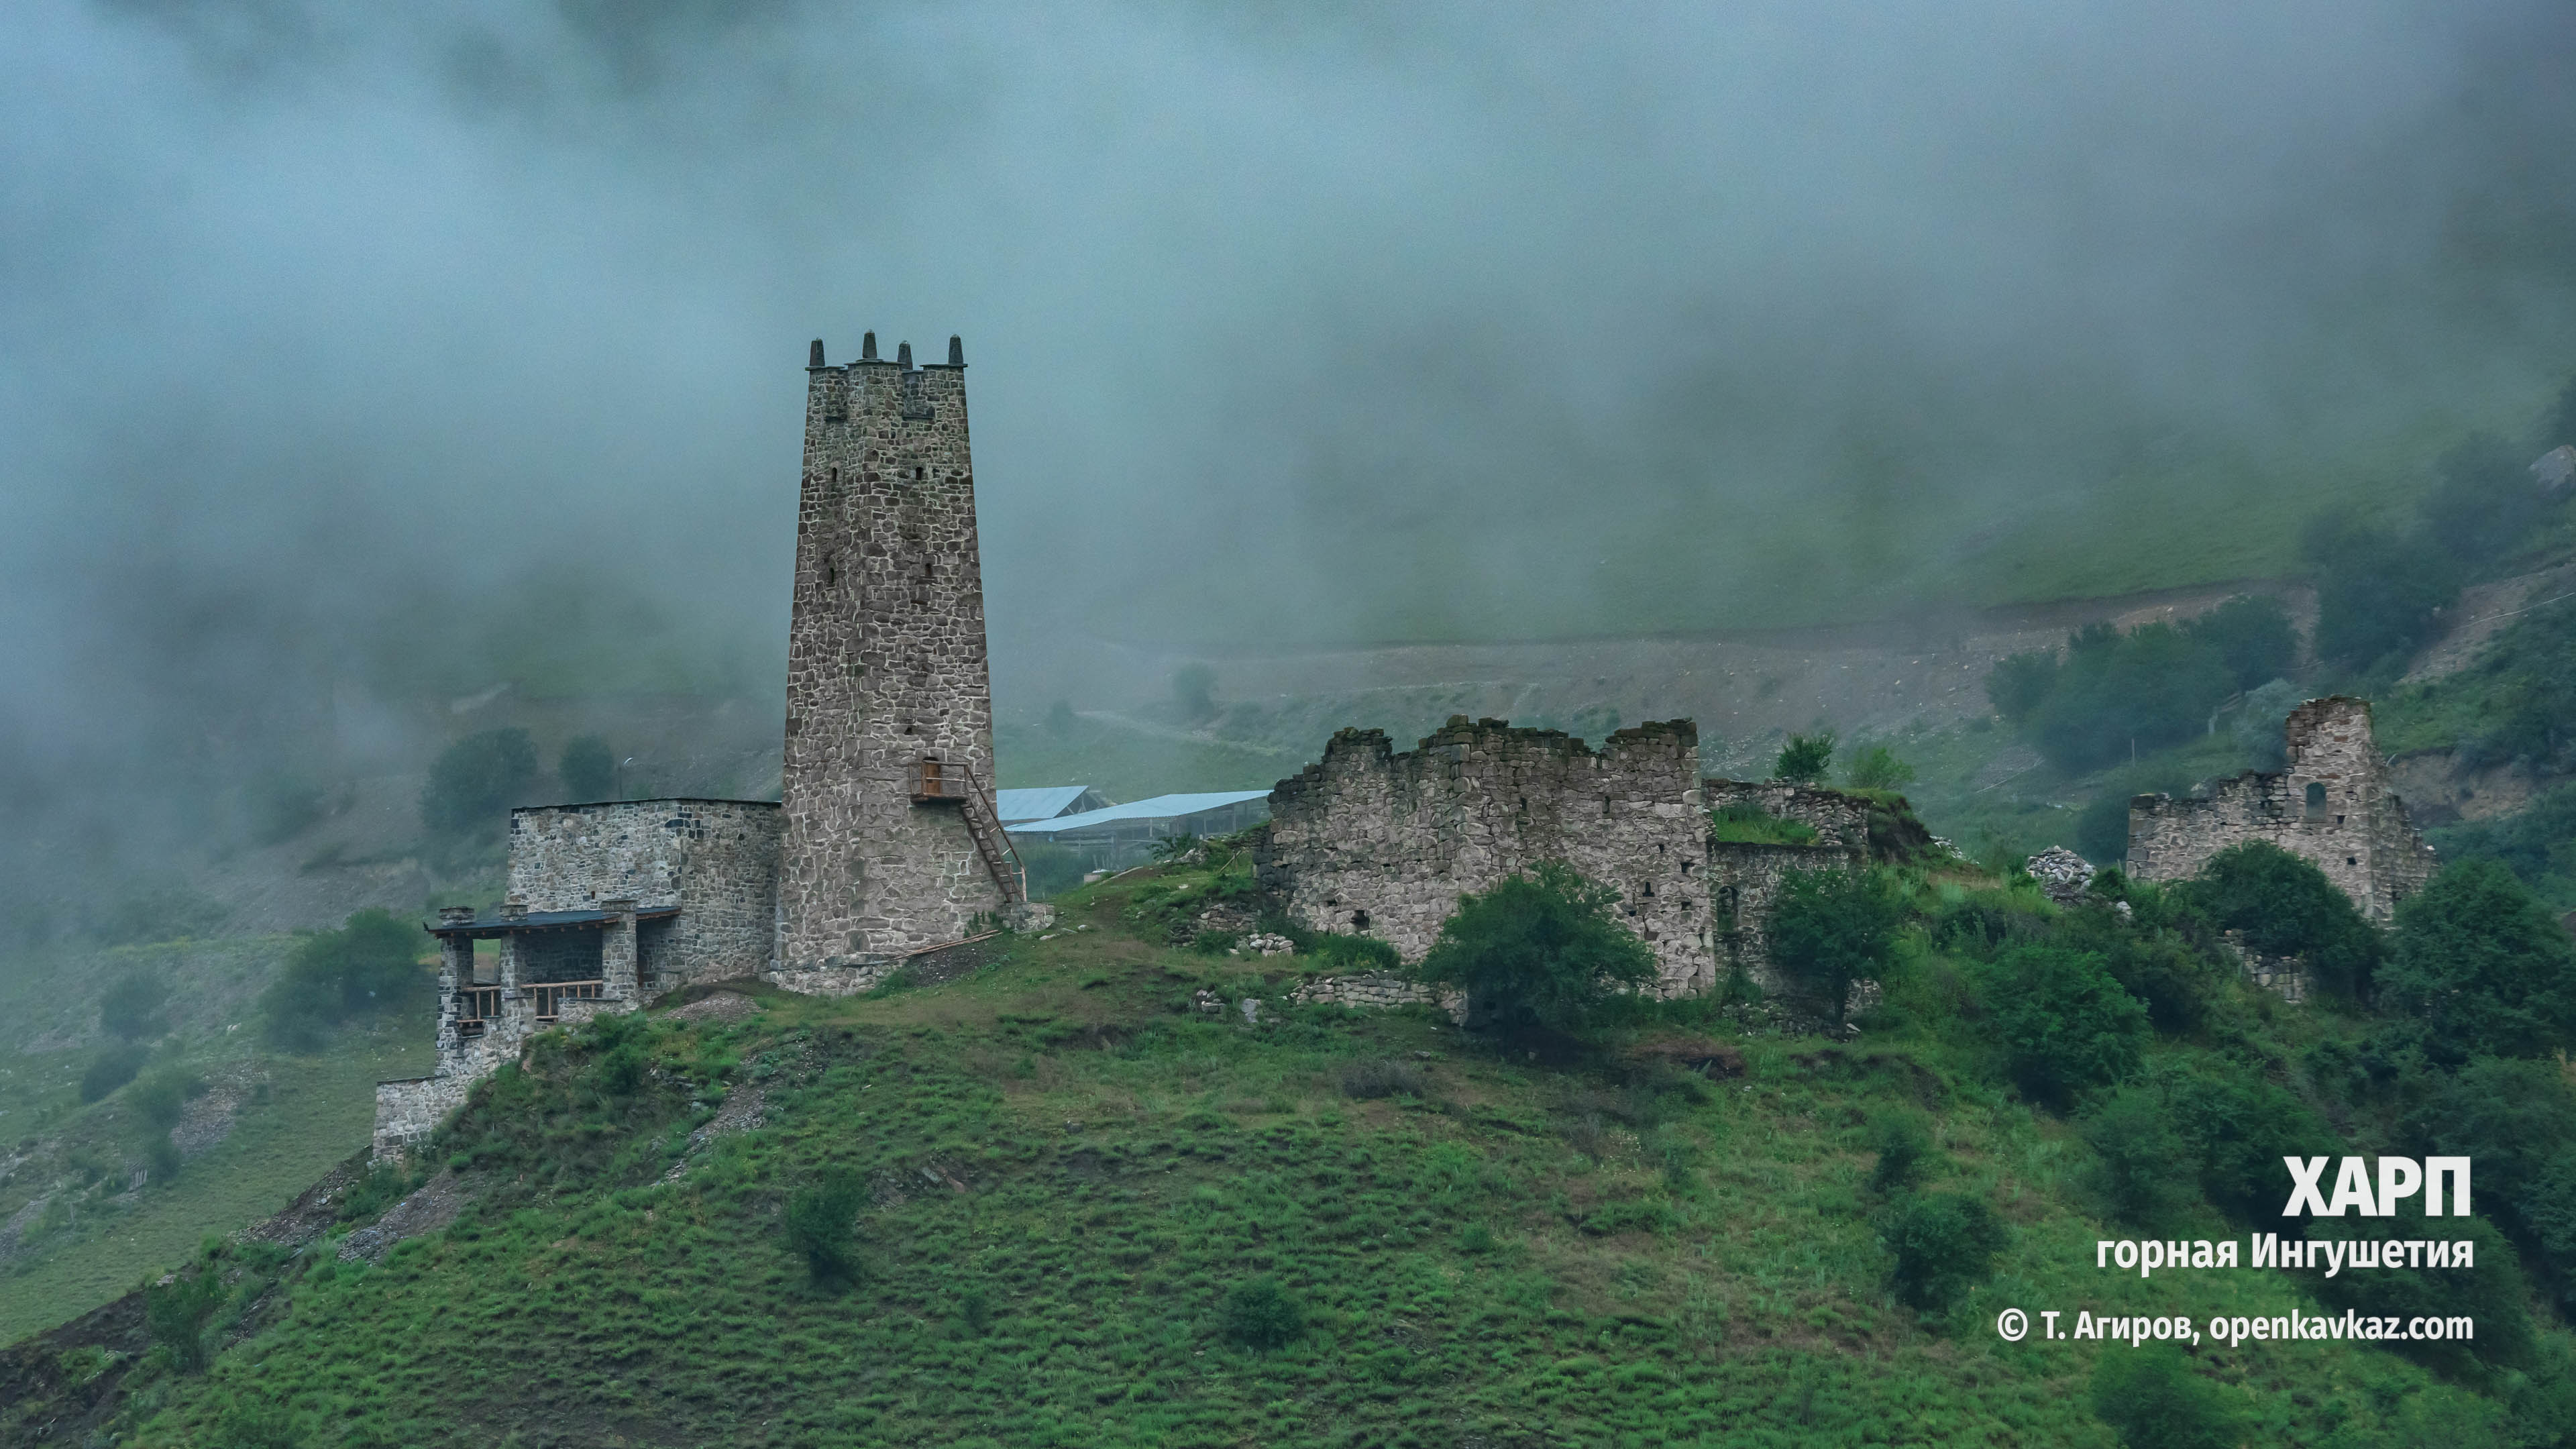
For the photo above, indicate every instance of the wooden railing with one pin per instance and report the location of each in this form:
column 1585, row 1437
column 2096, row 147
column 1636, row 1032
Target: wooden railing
column 477, row 1006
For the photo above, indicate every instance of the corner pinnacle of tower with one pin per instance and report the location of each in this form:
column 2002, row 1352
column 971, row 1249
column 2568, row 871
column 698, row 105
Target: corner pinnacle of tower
column 814, row 356
column 956, row 351
column 868, row 347
column 903, row 355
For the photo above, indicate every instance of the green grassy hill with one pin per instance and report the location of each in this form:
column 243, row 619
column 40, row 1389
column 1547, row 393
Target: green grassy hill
column 1063, row 1169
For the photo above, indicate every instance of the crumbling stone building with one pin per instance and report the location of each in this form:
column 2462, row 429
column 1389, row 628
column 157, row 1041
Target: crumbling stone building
column 2330, row 804
column 1372, row 842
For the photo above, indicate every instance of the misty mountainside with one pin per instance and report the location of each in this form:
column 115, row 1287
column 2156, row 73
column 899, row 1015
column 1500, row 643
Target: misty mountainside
column 1064, row 1188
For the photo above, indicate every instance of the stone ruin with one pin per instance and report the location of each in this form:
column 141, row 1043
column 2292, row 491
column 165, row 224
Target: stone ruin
column 2330, row 804
column 1369, row 841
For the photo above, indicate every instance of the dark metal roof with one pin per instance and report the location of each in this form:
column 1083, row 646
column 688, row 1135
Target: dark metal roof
column 485, row 927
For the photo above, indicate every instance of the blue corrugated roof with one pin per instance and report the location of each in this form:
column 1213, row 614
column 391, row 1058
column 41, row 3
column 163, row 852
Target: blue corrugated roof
column 1161, row 807
column 1043, row 803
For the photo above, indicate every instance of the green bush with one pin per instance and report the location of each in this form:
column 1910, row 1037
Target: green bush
column 588, row 769
column 2251, row 635
column 2492, row 1292
column 2516, row 1120
column 2285, row 906
column 1748, row 823
column 2481, row 969
column 130, row 1010
column 175, row 1314
column 2064, row 1024
column 2379, row 596
column 1831, row 928
column 1260, row 1314
column 2117, row 695
column 2019, row 684
column 162, row 1098
column 112, row 1068
column 1944, row 1246
column 2485, row 506
column 1904, row 1148
column 1805, row 759
column 2235, row 1128
column 1538, row 952
column 2155, row 1401
column 1053, row 869
column 822, row 1224
column 1353, row 953
column 2532, row 842
column 475, row 782
column 370, row 966
column 282, row 805
column 1876, row 767
column 2138, row 1153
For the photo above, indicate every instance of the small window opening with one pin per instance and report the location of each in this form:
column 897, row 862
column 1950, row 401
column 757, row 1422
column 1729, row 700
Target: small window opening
column 2352, row 860
column 1359, row 920
column 831, row 574
column 2316, row 801
column 1650, row 889
column 2338, row 820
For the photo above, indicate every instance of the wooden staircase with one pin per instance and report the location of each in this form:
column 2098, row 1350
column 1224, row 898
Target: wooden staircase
column 953, row 780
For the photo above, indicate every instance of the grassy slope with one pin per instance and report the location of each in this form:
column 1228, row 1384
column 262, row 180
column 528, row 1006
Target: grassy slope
column 1673, row 1261
column 317, row 1110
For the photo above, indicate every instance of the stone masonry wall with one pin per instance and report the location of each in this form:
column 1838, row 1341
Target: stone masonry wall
column 717, row 860
column 886, row 667
column 1837, row 818
column 1743, row 878
column 1377, row 843
column 2351, row 825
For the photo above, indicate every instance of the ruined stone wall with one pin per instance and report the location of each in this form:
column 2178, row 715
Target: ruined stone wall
column 1744, row 878
column 2350, row 824
column 717, row 860
column 1372, row 842
column 1837, row 818
column 886, row 666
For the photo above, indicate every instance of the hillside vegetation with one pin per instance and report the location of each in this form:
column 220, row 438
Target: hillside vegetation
column 1071, row 1195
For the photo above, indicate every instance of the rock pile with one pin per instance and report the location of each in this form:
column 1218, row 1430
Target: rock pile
column 2061, row 873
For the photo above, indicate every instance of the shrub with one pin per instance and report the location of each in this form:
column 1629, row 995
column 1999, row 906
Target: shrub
column 1747, row 822
column 475, row 782
column 131, row 1007
column 1905, row 1151
column 1831, row 928
column 2251, row 636
column 2018, row 685
column 822, row 1223
column 2379, row 596
column 1877, row 768
column 2260, row 728
column 2485, row 505
column 620, row 1069
column 1053, row 869
column 2064, row 1024
column 2516, row 1120
column 2481, row 968
column 368, row 967
column 281, row 806
column 2155, row 1401
column 588, row 769
column 1260, row 1314
column 2138, row 1152
column 1542, row 951
column 1384, row 1077
column 162, row 1098
column 2492, row 1292
column 1804, row 760
column 1944, row 1245
column 2285, row 906
column 1353, row 953
column 2117, row 695
column 175, row 1314
column 2235, row 1128
column 111, row 1069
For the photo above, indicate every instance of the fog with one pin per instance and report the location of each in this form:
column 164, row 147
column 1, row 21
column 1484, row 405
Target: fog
column 348, row 350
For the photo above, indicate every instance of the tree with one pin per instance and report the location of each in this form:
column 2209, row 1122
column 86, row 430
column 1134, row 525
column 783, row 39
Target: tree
column 2154, row 1399
column 476, row 780
column 1260, row 1314
column 1831, row 928
column 1059, row 718
column 175, row 1314
column 130, row 1010
column 2481, row 969
column 2064, row 1024
column 2251, row 635
column 2379, row 596
column 1944, row 1245
column 2285, row 906
column 2486, row 503
column 1877, row 768
column 1539, row 952
column 2019, row 684
column 821, row 1221
column 588, row 769
column 370, row 966
column 2516, row 1120
column 1804, row 760
column 1194, row 691
column 2137, row 1150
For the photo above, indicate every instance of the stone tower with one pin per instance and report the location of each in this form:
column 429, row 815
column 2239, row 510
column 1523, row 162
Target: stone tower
column 890, row 839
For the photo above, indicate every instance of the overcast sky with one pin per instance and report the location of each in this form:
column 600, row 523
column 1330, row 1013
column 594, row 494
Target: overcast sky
column 321, row 320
